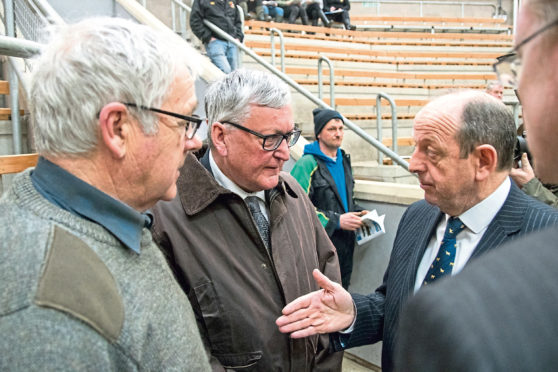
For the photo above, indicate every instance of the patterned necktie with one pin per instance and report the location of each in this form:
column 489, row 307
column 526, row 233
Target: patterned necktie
column 443, row 263
column 261, row 221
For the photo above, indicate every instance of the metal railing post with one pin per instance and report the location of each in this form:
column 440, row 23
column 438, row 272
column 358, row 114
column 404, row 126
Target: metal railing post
column 173, row 17
column 272, row 32
column 379, row 123
column 331, row 81
column 12, row 79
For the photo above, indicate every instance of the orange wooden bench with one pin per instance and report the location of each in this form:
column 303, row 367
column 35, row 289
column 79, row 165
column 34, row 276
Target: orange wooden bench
column 10, row 164
column 331, row 50
column 394, row 41
column 376, row 34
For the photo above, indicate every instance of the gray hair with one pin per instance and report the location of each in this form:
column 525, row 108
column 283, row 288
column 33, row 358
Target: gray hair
column 493, row 84
column 230, row 98
column 94, row 62
column 486, row 120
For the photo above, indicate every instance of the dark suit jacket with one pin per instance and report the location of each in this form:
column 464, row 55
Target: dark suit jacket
column 498, row 314
column 378, row 313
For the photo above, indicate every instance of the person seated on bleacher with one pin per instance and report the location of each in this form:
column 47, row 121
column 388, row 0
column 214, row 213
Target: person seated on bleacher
column 273, row 11
column 293, row 10
column 251, row 8
column 338, row 11
column 315, row 12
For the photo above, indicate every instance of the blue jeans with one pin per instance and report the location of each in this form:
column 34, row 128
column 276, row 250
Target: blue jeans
column 223, row 54
column 273, row 11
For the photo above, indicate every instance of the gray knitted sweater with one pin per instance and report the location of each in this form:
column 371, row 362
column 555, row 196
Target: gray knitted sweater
column 72, row 298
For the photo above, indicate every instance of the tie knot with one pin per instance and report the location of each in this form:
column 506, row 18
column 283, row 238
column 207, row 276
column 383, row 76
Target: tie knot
column 454, row 227
column 253, row 204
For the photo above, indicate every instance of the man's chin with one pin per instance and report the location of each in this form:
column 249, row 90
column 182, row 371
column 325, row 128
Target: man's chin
column 170, row 194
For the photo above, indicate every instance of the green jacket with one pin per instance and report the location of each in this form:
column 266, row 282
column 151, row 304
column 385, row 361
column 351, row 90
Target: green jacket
column 540, row 192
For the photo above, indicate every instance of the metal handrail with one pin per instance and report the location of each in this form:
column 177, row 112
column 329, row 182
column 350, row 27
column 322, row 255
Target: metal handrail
column 331, row 80
column 272, row 32
column 355, row 128
column 379, row 122
column 11, row 46
column 495, row 12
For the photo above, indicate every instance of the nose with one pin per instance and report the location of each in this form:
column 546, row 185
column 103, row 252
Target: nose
column 192, row 144
column 416, row 165
column 282, row 152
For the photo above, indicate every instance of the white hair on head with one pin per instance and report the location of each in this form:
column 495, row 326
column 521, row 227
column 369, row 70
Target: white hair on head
column 231, row 98
column 91, row 63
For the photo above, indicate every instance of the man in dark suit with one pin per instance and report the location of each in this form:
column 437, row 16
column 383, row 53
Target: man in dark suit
column 504, row 306
column 463, row 156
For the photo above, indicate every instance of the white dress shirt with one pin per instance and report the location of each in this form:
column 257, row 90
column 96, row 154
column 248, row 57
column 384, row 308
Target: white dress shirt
column 476, row 220
column 233, row 187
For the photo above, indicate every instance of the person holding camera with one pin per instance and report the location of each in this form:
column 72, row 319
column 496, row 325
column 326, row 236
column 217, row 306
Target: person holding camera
column 524, row 177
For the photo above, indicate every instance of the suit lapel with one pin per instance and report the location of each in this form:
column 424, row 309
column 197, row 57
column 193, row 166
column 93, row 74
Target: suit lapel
column 507, row 222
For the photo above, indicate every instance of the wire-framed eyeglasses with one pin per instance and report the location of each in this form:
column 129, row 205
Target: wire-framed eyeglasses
column 191, row 124
column 508, row 66
column 271, row 141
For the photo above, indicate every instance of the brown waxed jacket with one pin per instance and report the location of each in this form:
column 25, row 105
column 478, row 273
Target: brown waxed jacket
column 236, row 288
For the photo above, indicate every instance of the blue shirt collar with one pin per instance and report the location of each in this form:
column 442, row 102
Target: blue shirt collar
column 70, row 193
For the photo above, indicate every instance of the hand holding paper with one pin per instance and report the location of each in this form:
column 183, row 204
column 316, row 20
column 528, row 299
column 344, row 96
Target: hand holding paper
column 372, row 226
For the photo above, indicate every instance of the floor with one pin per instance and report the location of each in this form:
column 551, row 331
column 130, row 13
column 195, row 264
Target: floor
column 349, row 365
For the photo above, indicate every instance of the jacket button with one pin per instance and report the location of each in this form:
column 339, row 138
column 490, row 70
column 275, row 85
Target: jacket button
column 264, row 266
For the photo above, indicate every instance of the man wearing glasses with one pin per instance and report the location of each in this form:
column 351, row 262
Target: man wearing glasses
column 501, row 314
column 242, row 236
column 84, row 287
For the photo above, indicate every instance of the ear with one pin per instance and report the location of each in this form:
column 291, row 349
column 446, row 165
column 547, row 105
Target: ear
column 218, row 138
column 486, row 158
column 115, row 128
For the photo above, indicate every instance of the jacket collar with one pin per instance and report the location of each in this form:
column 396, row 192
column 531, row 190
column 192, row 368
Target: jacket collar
column 197, row 188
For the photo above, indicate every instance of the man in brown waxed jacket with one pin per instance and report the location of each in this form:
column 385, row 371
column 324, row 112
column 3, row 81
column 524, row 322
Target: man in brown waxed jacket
column 242, row 236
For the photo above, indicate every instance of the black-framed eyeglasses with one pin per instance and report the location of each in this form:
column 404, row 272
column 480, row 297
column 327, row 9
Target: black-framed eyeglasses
column 508, row 66
column 191, row 124
column 271, row 141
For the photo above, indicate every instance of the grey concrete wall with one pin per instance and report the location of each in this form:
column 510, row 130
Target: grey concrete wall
column 370, row 262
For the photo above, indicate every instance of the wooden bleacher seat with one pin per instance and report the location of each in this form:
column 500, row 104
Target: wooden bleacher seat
column 432, row 24
column 394, row 38
column 252, row 26
column 10, row 164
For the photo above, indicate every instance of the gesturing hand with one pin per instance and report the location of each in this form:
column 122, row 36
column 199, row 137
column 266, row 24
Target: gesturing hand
column 327, row 310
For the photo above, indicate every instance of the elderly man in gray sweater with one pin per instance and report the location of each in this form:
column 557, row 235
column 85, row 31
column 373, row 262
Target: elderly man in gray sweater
column 83, row 285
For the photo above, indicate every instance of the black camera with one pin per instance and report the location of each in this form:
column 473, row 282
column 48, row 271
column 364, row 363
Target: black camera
column 520, row 148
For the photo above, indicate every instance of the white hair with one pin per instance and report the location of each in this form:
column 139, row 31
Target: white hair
column 89, row 64
column 231, row 98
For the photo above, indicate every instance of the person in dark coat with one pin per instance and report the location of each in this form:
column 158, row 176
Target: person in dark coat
column 242, row 236
column 338, row 11
column 223, row 14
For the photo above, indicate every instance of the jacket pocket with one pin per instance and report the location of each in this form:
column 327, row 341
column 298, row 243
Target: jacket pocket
column 241, row 361
column 213, row 315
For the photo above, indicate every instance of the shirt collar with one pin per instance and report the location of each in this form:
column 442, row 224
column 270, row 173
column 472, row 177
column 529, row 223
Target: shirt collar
column 228, row 184
column 479, row 216
column 72, row 194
